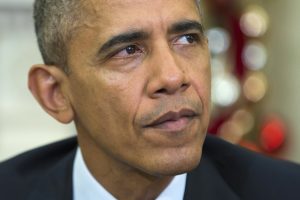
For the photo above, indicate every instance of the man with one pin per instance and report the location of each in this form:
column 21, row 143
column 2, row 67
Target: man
column 134, row 76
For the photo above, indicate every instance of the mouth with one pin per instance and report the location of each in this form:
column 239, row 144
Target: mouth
column 173, row 121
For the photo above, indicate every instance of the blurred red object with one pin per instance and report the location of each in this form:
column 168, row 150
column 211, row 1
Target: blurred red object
column 273, row 134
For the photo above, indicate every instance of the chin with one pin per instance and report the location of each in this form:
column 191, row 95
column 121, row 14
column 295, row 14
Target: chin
column 173, row 171
column 178, row 164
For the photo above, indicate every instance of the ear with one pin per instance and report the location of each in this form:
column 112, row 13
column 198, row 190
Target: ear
column 48, row 85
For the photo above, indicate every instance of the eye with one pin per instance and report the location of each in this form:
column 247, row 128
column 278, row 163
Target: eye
column 187, row 39
column 128, row 51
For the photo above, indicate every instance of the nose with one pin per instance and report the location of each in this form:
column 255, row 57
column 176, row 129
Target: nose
column 168, row 75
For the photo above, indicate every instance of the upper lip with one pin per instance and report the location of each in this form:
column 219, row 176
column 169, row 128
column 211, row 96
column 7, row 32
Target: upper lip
column 172, row 116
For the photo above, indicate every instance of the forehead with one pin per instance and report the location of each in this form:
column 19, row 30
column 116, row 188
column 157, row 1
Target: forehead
column 107, row 11
column 105, row 4
column 110, row 17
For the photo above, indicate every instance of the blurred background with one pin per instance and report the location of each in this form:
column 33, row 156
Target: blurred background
column 255, row 47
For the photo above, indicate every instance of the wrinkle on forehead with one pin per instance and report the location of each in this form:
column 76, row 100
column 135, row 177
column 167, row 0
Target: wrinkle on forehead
column 97, row 6
column 97, row 9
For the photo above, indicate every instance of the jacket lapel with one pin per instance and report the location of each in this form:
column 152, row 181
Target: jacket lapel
column 57, row 183
column 205, row 182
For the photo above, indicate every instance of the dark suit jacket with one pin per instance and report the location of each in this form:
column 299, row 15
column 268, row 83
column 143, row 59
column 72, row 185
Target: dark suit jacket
column 226, row 172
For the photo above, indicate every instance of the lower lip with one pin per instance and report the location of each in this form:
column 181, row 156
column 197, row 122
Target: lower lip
column 174, row 126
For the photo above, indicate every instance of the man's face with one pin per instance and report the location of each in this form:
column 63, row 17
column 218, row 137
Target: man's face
column 140, row 84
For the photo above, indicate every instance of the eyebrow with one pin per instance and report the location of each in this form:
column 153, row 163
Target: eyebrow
column 126, row 37
column 136, row 35
column 186, row 25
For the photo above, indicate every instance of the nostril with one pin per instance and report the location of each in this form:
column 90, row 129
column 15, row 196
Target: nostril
column 172, row 90
column 161, row 91
column 185, row 86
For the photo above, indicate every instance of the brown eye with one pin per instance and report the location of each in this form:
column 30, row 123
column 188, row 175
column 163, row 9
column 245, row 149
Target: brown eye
column 131, row 49
column 128, row 51
column 190, row 38
column 187, row 39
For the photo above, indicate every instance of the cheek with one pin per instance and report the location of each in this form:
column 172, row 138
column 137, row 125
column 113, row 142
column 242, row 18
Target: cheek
column 123, row 90
column 201, row 81
column 199, row 70
column 87, row 102
column 202, row 88
column 117, row 96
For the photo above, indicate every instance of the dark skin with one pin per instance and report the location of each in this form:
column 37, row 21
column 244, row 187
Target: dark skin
column 138, row 92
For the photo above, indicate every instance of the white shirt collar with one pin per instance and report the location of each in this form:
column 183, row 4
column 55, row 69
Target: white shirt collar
column 85, row 186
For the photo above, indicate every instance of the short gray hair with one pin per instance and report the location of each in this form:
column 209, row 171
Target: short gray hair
column 55, row 21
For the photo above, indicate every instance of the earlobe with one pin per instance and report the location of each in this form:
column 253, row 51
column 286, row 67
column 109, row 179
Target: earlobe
column 46, row 84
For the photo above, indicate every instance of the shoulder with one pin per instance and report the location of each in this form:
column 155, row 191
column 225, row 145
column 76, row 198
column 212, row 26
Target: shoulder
column 251, row 175
column 20, row 174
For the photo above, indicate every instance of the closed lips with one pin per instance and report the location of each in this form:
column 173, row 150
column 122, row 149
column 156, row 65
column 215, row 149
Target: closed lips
column 173, row 116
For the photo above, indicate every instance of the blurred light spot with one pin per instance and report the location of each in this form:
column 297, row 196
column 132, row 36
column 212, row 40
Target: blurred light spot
column 225, row 90
column 255, row 21
column 245, row 118
column 219, row 40
column 254, row 55
column 231, row 131
column 255, row 87
column 238, row 125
